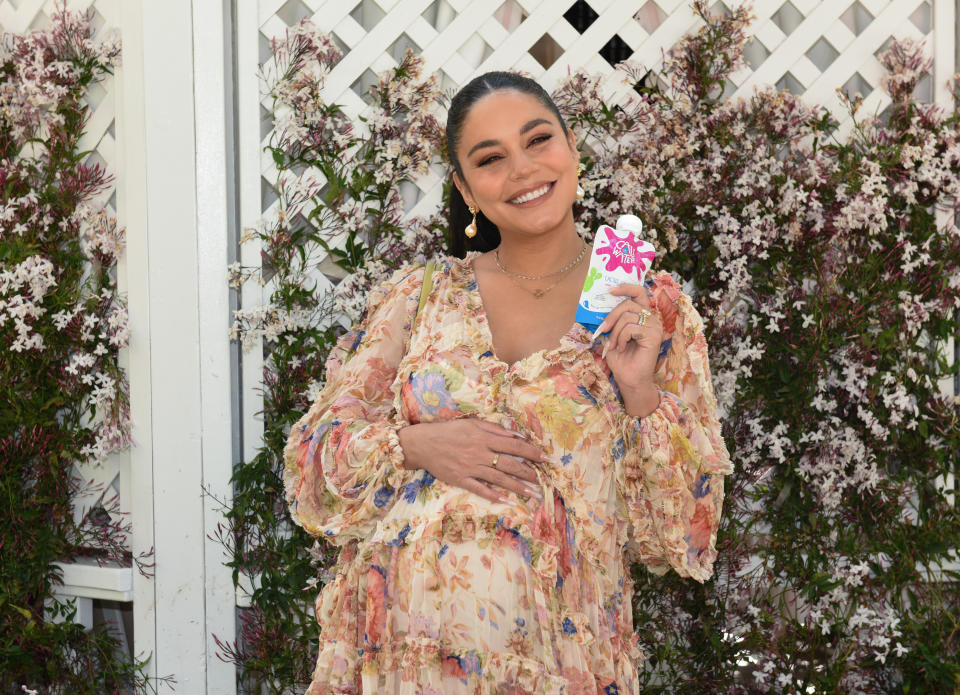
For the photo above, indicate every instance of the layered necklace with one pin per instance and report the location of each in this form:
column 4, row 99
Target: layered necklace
column 539, row 292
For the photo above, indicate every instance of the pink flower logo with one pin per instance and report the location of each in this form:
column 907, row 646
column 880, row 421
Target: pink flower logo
column 625, row 253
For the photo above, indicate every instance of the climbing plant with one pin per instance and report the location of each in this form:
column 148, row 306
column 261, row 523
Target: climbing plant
column 829, row 288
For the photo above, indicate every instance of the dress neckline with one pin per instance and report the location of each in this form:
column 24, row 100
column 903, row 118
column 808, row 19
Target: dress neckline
column 575, row 335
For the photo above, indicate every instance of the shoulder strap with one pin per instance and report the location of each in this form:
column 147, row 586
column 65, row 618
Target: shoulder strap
column 427, row 284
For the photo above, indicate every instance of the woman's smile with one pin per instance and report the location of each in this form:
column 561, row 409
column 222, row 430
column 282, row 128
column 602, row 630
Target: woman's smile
column 532, row 197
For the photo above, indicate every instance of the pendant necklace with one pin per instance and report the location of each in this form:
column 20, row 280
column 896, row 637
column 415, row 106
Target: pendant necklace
column 540, row 292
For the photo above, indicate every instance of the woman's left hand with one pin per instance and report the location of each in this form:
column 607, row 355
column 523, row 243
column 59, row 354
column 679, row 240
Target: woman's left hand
column 632, row 350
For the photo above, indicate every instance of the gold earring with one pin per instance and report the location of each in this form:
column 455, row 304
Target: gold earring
column 471, row 229
column 580, row 191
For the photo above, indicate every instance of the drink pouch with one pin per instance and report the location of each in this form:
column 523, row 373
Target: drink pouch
column 619, row 256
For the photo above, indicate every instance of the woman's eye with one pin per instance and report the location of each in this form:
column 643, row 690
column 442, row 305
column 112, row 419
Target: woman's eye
column 535, row 141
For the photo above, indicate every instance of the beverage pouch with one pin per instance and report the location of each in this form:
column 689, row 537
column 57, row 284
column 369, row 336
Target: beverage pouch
column 619, row 256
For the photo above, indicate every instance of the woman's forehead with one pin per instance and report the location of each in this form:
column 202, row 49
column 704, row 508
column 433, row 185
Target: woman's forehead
column 504, row 109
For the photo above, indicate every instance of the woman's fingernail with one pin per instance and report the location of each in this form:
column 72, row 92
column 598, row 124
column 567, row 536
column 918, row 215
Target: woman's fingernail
column 598, row 331
column 505, row 499
column 521, row 435
column 604, row 353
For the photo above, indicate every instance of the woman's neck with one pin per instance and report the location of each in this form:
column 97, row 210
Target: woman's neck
column 536, row 256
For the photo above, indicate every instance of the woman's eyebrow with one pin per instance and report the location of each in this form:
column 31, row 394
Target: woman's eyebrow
column 529, row 125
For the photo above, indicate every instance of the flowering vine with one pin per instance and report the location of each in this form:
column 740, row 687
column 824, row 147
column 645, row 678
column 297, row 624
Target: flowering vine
column 829, row 292
column 64, row 393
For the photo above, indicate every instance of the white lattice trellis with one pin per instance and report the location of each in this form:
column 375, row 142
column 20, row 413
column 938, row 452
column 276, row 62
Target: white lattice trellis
column 806, row 46
column 106, row 485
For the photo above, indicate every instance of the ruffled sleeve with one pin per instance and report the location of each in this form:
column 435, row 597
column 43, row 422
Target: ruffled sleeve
column 673, row 460
column 343, row 464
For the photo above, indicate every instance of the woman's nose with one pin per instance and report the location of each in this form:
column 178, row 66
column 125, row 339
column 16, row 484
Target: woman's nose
column 522, row 166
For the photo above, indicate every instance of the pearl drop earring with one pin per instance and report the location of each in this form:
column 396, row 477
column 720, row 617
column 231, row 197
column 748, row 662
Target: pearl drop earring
column 471, row 229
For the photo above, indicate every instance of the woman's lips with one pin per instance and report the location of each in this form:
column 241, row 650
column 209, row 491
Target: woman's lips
column 538, row 199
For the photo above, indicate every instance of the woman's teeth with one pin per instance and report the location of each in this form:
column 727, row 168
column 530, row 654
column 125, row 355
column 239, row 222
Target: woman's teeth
column 532, row 195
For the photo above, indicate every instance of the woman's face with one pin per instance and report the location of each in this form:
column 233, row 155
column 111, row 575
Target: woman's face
column 518, row 168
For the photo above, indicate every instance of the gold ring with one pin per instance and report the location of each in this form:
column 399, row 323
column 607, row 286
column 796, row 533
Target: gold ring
column 495, row 459
column 644, row 315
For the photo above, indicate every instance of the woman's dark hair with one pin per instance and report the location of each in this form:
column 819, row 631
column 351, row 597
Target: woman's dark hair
column 488, row 236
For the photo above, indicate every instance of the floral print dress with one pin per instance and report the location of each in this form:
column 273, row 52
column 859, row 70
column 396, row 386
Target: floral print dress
column 439, row 591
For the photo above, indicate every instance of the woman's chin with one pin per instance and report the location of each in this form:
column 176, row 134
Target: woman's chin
column 536, row 225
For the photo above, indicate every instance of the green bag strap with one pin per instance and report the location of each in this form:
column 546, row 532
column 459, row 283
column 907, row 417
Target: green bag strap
column 427, row 285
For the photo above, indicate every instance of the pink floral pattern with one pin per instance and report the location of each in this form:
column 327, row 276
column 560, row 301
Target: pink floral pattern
column 440, row 591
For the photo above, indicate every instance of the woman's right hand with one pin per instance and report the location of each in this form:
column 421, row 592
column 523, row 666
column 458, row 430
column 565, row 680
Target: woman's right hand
column 460, row 452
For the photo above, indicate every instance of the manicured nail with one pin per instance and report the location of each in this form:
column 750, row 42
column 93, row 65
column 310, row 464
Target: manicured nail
column 505, row 499
column 604, row 353
column 598, row 331
column 521, row 435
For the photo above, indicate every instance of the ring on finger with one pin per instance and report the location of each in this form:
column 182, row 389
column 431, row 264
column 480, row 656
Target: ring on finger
column 644, row 315
column 496, row 459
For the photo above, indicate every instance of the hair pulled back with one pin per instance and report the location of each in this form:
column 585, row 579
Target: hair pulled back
column 488, row 236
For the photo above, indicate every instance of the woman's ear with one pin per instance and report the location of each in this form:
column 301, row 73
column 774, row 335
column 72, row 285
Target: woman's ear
column 572, row 142
column 463, row 188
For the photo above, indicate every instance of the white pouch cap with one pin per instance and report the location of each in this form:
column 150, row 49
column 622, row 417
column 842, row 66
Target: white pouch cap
column 630, row 223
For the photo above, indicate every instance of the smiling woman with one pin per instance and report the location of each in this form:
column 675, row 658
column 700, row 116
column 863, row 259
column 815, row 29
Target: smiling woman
column 489, row 472
column 543, row 133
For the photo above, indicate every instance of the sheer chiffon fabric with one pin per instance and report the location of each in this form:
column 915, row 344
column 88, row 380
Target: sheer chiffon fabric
column 438, row 590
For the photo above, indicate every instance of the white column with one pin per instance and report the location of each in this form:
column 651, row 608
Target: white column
column 132, row 213
column 945, row 29
column 212, row 36
column 175, row 207
column 249, row 152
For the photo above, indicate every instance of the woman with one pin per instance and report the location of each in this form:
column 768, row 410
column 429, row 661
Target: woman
column 489, row 469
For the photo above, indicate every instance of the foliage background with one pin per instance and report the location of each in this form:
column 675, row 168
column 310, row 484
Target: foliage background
column 830, row 296
column 63, row 392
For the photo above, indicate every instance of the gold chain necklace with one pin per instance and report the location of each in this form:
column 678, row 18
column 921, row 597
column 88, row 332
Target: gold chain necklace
column 539, row 292
column 565, row 268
